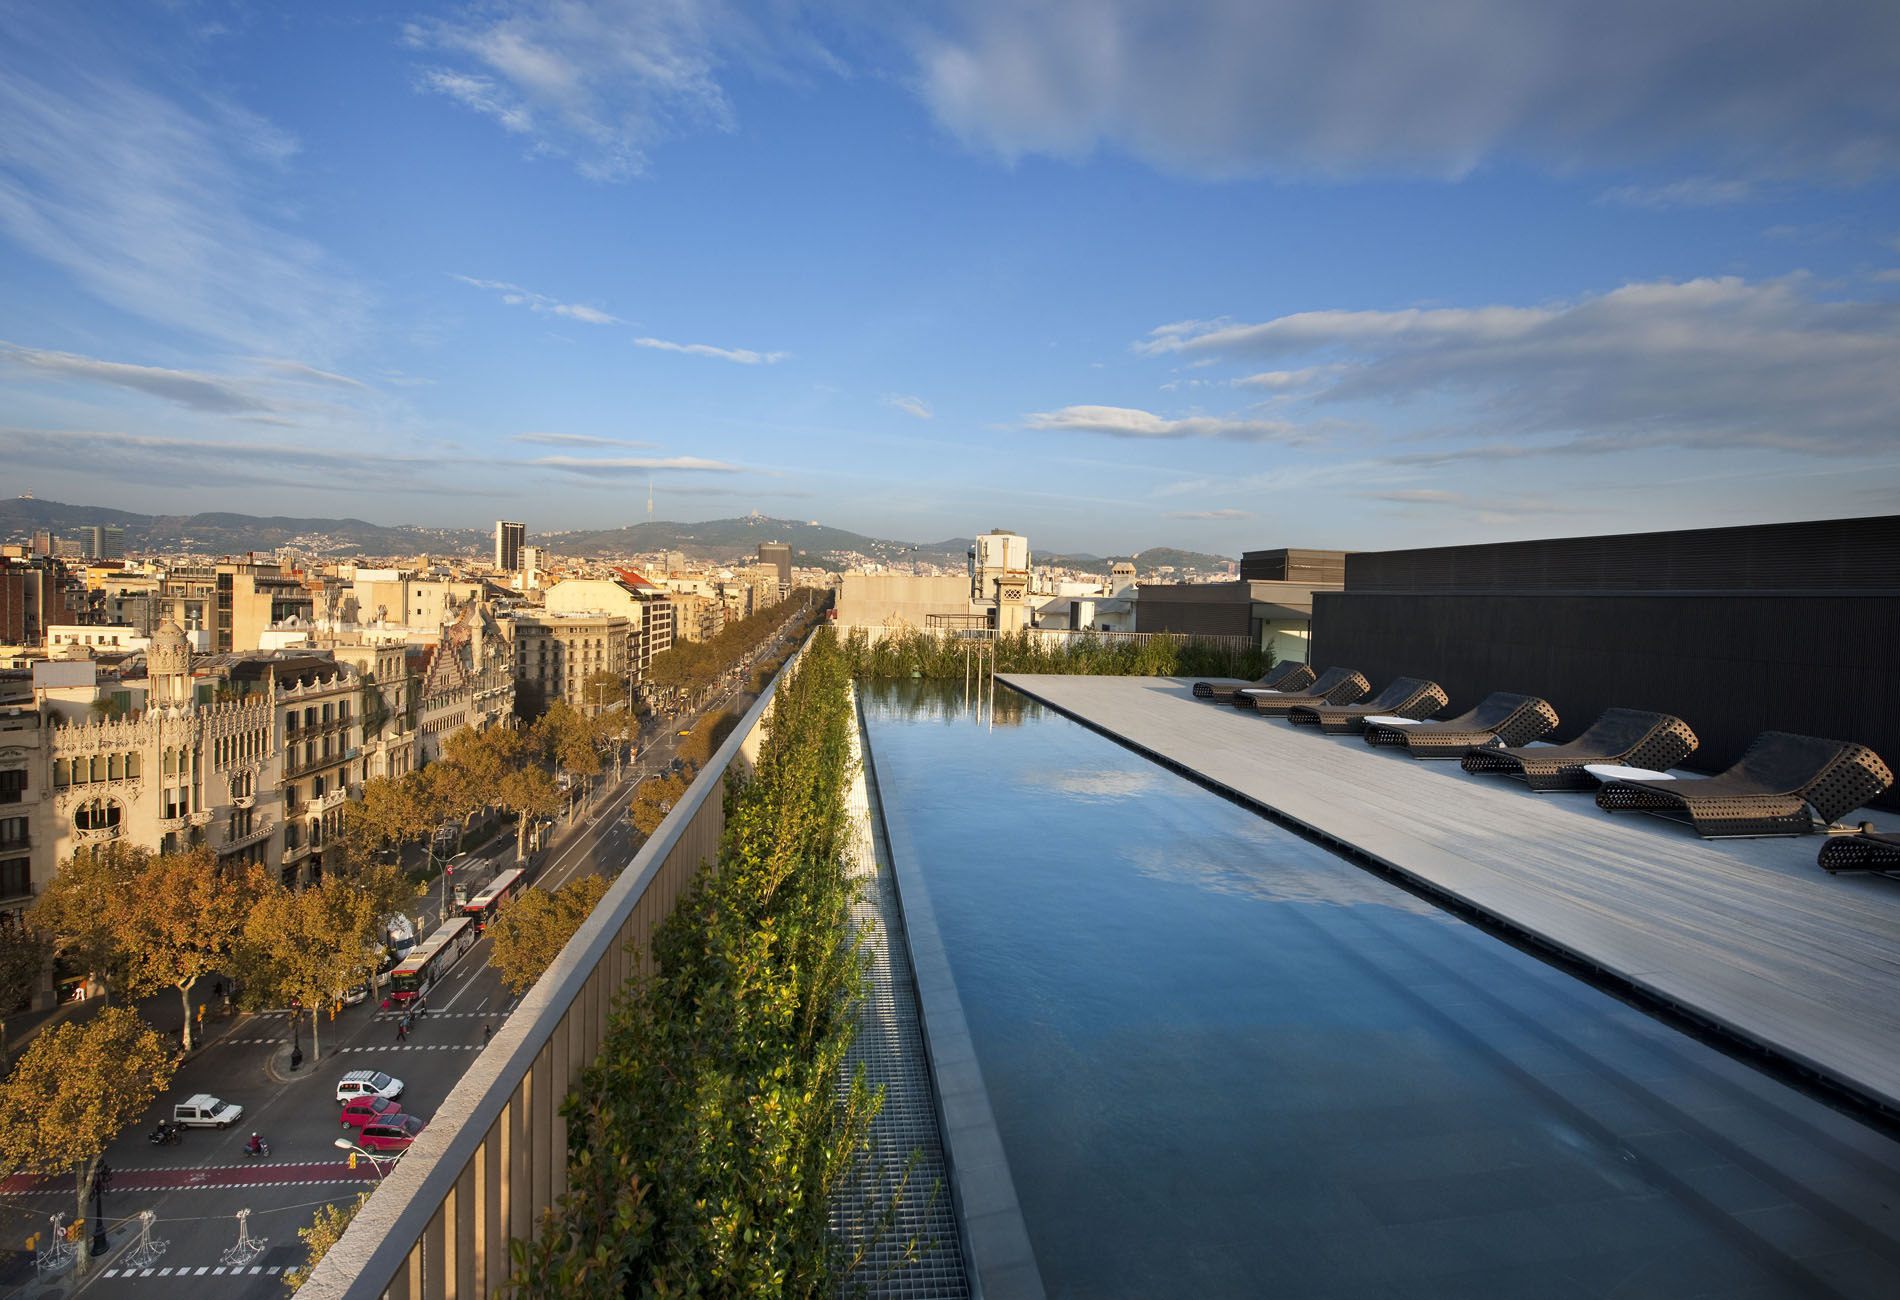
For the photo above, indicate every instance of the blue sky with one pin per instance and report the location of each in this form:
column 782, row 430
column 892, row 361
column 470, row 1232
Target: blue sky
column 1219, row 275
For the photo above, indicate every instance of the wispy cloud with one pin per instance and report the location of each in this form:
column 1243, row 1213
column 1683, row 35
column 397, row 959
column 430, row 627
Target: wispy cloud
column 641, row 464
column 515, row 296
column 909, row 405
column 601, row 82
column 308, row 374
column 1420, row 496
column 164, row 208
column 1286, row 381
column 1128, row 422
column 575, row 440
column 198, row 392
column 1693, row 192
column 1715, row 363
column 1358, row 87
column 744, row 356
column 1208, row 514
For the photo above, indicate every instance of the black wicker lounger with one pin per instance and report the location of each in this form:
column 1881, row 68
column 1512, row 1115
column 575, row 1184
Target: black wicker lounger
column 1867, row 851
column 1335, row 686
column 1289, row 676
column 1780, row 787
column 1503, row 719
column 1404, row 697
column 1631, row 737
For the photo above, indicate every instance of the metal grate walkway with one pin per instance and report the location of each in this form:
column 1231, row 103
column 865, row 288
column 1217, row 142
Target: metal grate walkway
column 895, row 1206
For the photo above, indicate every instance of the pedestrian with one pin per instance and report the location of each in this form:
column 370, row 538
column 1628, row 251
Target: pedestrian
column 488, row 1032
column 402, row 1030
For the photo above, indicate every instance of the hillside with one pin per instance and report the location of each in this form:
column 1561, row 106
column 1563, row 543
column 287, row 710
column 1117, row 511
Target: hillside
column 814, row 545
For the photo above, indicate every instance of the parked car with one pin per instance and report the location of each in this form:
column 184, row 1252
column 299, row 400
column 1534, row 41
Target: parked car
column 355, row 994
column 367, row 1083
column 358, row 1111
column 203, row 1110
column 393, row 1133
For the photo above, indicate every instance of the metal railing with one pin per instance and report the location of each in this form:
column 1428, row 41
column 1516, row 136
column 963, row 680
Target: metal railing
column 494, row 1156
column 1054, row 635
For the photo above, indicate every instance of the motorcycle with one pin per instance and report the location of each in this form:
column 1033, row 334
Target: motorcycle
column 165, row 1134
column 261, row 1149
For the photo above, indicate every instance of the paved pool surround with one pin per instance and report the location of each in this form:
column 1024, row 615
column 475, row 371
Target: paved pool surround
column 1224, row 1061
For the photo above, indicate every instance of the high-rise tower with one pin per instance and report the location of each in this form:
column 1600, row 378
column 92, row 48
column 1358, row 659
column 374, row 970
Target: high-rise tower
column 508, row 540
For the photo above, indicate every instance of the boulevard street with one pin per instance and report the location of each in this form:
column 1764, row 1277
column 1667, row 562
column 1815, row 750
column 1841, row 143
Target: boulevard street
column 197, row 1185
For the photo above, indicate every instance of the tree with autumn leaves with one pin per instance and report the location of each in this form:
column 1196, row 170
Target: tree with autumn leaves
column 73, row 1090
column 307, row 946
column 530, row 932
column 152, row 921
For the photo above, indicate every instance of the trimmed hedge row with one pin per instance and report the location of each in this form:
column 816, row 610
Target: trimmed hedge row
column 707, row 1140
column 945, row 655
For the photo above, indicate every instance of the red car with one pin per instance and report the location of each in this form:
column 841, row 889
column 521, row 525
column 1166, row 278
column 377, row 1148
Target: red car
column 358, row 1111
column 391, row 1133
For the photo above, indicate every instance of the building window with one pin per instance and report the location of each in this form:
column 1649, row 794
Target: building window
column 13, row 785
column 16, row 877
column 97, row 815
column 12, row 832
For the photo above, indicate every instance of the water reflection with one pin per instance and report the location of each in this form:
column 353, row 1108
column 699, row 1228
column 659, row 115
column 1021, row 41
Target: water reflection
column 1226, row 1062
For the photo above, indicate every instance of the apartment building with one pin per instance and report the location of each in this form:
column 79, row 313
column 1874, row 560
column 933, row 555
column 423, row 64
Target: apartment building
column 226, row 608
column 396, row 596
column 647, row 607
column 555, row 654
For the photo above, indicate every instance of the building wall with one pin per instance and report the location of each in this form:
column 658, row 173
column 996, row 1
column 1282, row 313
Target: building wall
column 1197, row 609
column 1785, row 627
column 881, row 599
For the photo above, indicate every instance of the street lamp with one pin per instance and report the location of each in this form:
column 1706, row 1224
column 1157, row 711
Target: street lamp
column 375, row 1160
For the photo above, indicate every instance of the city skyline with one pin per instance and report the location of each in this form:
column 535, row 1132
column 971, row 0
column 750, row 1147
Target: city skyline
column 1120, row 276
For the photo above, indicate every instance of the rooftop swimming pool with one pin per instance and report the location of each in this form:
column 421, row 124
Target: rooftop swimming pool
column 1225, row 1061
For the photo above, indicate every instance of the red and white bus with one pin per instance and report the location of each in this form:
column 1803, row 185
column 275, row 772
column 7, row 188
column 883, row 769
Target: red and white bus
column 481, row 909
column 430, row 959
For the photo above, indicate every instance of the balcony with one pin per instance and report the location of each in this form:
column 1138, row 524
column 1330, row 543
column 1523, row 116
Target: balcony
column 261, row 828
column 335, row 799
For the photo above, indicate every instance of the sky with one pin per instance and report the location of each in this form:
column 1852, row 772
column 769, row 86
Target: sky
column 1116, row 274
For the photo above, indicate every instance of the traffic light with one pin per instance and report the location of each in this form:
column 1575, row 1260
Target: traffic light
column 352, row 1159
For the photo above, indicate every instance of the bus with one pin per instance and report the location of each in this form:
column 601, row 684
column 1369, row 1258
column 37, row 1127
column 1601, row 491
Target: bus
column 429, row 960
column 481, row 909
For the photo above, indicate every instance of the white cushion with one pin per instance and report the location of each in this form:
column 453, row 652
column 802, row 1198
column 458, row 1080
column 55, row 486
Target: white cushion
column 1617, row 772
column 1389, row 720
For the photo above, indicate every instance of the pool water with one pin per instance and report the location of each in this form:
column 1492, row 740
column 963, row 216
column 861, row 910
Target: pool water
column 1225, row 1061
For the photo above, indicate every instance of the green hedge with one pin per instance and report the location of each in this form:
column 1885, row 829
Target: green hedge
column 707, row 1139
column 920, row 653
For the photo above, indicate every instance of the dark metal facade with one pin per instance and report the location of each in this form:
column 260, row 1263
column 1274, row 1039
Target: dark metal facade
column 1784, row 627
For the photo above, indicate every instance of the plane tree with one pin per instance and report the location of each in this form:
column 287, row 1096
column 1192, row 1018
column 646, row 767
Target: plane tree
column 74, row 1089
column 181, row 920
column 24, row 952
column 531, row 931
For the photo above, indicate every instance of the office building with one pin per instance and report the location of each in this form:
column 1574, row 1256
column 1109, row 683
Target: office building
column 508, row 540
column 778, row 555
column 106, row 542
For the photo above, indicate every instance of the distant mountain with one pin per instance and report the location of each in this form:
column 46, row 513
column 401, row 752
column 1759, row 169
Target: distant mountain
column 221, row 533
column 1147, row 563
column 814, row 545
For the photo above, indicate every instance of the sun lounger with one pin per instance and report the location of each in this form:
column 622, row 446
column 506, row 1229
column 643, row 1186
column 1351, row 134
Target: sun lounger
column 1286, row 677
column 1335, row 686
column 1503, row 719
column 1867, row 851
column 1631, row 736
column 1405, row 698
column 1784, row 785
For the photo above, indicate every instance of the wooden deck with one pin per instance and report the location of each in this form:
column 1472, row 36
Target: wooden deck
column 1749, row 935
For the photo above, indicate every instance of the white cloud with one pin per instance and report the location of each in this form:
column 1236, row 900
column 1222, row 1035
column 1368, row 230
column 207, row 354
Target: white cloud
column 601, row 82
column 575, row 440
column 165, row 209
column 1420, row 496
column 1282, row 381
column 1353, row 87
column 1208, row 514
column 1714, row 363
column 515, row 296
column 1694, row 192
column 909, row 405
column 199, row 392
column 586, row 465
column 297, row 370
column 1127, row 422
column 744, row 356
